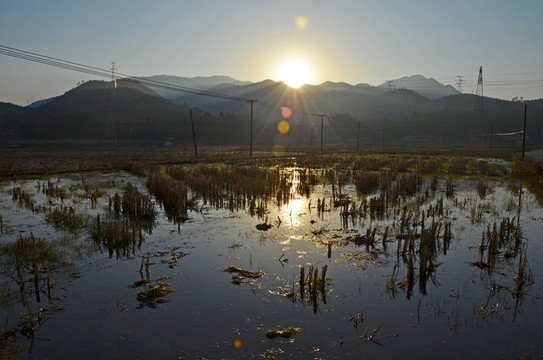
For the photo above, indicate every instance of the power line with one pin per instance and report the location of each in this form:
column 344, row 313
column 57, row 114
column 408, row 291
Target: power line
column 91, row 70
column 95, row 71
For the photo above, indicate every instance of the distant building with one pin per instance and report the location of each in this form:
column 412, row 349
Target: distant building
column 168, row 142
column 408, row 138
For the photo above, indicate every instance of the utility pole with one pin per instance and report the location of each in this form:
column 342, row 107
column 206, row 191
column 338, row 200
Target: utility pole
column 113, row 78
column 311, row 135
column 185, row 134
column 251, row 130
column 491, row 135
column 302, row 132
column 358, row 138
column 322, row 129
column 148, row 131
column 193, row 134
column 524, row 132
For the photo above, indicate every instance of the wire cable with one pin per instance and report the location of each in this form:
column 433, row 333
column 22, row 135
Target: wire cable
column 69, row 65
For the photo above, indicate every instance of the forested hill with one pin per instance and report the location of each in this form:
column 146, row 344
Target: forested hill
column 97, row 110
column 85, row 112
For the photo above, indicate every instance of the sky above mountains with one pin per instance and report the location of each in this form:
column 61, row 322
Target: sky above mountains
column 294, row 41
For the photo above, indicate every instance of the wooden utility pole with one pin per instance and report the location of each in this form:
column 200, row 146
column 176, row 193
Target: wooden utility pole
column 358, row 138
column 185, row 134
column 491, row 135
column 148, row 131
column 193, row 134
column 251, row 129
column 322, row 130
column 524, row 132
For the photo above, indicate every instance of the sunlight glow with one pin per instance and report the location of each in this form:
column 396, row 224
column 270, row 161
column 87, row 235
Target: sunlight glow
column 295, row 72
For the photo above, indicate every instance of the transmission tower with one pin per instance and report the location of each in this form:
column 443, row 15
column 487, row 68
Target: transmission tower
column 113, row 78
column 390, row 85
column 110, row 130
column 479, row 93
column 459, row 82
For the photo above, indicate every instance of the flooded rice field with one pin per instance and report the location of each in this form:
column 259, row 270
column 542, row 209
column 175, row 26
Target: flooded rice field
column 267, row 262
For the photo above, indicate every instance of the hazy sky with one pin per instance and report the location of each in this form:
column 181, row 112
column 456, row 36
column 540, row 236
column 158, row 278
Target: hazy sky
column 352, row 41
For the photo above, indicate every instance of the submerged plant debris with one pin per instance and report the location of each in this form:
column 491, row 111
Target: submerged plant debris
column 285, row 333
column 389, row 255
column 240, row 275
column 154, row 294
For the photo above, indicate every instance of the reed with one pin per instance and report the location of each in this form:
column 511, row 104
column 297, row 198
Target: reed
column 366, row 182
column 118, row 238
column 172, row 194
column 500, row 238
column 433, row 184
column 54, row 191
column 65, row 218
column 524, row 275
column 23, row 199
column 133, row 203
column 311, row 286
column 449, row 189
column 38, row 257
column 482, row 189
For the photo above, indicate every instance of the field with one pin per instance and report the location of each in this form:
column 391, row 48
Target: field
column 152, row 253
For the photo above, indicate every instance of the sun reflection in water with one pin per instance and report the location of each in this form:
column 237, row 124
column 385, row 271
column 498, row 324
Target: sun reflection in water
column 293, row 211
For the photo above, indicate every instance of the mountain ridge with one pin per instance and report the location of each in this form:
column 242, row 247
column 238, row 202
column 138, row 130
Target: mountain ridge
column 427, row 87
column 131, row 110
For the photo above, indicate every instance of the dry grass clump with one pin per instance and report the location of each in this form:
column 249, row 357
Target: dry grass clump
column 172, row 194
column 23, row 199
column 35, row 256
column 505, row 237
column 119, row 238
column 65, row 218
column 366, row 182
column 133, row 203
column 531, row 174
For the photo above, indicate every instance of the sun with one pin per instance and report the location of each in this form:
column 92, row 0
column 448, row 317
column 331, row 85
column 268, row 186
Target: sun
column 295, row 72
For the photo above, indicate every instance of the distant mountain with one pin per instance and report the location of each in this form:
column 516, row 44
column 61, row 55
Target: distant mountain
column 343, row 87
column 132, row 111
column 96, row 110
column 198, row 83
column 9, row 109
column 328, row 97
column 430, row 88
column 39, row 103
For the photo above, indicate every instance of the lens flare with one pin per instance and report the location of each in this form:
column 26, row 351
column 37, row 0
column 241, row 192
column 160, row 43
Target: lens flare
column 283, row 127
column 301, row 22
column 286, row 112
column 237, row 343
